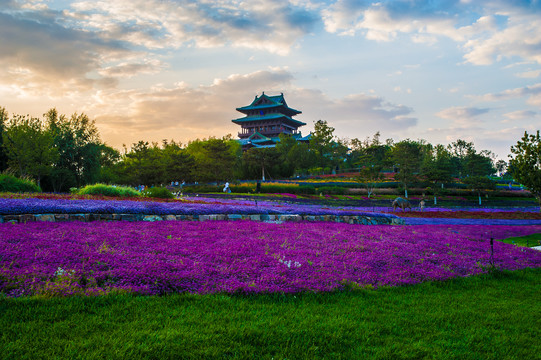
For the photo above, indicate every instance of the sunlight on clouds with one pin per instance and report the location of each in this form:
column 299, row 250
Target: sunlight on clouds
column 518, row 115
column 464, row 116
column 158, row 25
column 529, row 74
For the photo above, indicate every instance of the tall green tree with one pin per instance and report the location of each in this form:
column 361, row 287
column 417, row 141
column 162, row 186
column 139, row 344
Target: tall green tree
column 262, row 163
column 437, row 164
column 178, row 163
column 407, row 155
column 459, row 150
column 525, row 162
column 215, row 159
column 3, row 123
column 296, row 157
column 29, row 147
column 331, row 152
column 79, row 150
column 478, row 164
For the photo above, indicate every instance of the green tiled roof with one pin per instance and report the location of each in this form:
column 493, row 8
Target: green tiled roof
column 275, row 101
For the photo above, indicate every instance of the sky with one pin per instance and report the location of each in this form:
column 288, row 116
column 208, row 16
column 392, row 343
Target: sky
column 437, row 70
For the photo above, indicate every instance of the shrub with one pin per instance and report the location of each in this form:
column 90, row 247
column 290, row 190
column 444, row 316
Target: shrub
column 108, row 190
column 158, row 192
column 10, row 183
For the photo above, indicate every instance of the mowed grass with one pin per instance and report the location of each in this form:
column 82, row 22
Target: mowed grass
column 492, row 316
column 528, row 240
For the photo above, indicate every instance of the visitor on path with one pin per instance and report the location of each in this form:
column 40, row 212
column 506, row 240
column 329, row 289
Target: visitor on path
column 226, row 188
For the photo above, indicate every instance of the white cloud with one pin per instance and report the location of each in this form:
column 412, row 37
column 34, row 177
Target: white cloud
column 497, row 30
column 529, row 74
column 532, row 92
column 518, row 115
column 267, row 25
column 463, row 116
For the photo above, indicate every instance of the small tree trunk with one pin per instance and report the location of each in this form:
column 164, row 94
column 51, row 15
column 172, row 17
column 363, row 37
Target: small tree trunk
column 435, row 201
column 479, row 194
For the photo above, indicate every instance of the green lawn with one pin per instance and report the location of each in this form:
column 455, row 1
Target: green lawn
column 528, row 240
column 493, row 316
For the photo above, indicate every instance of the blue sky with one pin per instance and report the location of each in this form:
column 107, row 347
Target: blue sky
column 155, row 69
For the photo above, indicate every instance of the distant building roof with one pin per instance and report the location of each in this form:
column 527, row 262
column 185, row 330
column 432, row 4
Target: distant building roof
column 269, row 102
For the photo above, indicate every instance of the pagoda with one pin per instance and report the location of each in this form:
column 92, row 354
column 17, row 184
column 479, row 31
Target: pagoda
column 266, row 118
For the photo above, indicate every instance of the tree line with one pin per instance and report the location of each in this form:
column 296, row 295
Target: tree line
column 61, row 152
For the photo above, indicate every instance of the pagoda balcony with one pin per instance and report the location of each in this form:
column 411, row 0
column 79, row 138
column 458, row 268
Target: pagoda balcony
column 268, row 133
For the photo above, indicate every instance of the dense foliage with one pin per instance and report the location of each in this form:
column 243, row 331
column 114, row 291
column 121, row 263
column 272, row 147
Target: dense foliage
column 158, row 192
column 61, row 152
column 108, row 190
column 526, row 163
column 10, row 183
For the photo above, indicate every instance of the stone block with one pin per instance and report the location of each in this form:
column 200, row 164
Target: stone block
column 255, row 217
column 79, row 217
column 152, row 218
column 45, row 217
column 169, row 217
column 128, row 217
column 102, row 217
column 12, row 218
column 234, row 217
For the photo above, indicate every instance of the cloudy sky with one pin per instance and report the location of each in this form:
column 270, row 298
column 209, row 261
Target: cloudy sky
column 438, row 70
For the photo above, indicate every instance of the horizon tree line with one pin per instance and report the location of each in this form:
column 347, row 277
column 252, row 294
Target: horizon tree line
column 61, row 152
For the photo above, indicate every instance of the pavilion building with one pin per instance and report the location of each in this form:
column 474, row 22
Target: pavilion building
column 266, row 118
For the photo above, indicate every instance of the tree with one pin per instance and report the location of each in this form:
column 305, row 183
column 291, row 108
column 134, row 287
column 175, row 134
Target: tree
column 459, row 149
column 29, row 147
column 478, row 164
column 407, row 156
column 370, row 176
column 479, row 183
column 501, row 166
column 437, row 167
column 79, row 150
column 178, row 163
column 261, row 162
column 215, row 159
column 3, row 155
column 330, row 152
column 526, row 163
column 109, row 160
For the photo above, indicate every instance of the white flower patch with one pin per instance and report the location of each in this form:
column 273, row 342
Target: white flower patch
column 288, row 263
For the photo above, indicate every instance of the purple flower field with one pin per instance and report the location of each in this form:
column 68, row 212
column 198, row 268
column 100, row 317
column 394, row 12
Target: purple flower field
column 63, row 259
column 199, row 207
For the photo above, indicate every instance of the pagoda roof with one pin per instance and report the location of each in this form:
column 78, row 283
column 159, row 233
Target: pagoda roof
column 273, row 116
column 269, row 102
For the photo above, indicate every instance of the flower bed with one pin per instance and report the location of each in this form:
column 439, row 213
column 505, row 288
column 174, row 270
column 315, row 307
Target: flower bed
column 62, row 259
column 199, row 207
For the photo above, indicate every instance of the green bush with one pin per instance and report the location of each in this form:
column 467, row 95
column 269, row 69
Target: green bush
column 10, row 183
column 109, row 190
column 158, row 192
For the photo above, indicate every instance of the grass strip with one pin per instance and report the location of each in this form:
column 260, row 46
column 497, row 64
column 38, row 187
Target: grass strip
column 492, row 316
column 528, row 240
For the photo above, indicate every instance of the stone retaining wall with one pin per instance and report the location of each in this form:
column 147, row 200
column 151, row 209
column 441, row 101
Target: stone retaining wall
column 350, row 219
